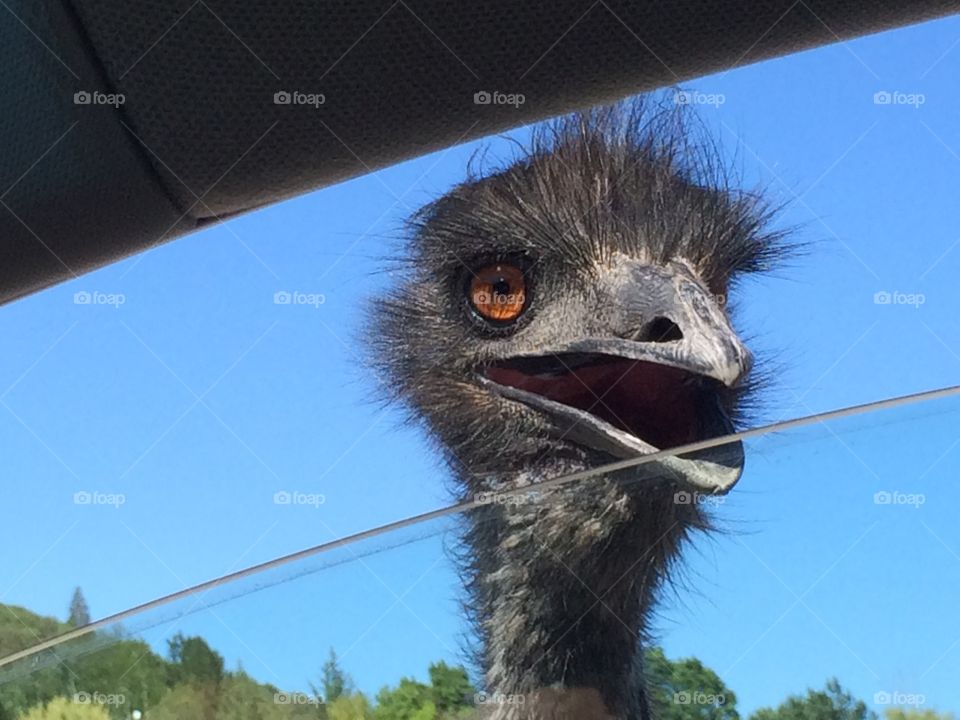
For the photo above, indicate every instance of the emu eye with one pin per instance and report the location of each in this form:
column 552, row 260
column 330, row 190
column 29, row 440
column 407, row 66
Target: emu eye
column 498, row 292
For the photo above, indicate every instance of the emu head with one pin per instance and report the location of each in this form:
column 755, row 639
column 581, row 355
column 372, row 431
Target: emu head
column 560, row 313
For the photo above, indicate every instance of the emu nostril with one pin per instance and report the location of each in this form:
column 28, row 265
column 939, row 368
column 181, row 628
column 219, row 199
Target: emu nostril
column 660, row 329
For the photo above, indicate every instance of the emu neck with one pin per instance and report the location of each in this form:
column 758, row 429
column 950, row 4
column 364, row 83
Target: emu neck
column 563, row 581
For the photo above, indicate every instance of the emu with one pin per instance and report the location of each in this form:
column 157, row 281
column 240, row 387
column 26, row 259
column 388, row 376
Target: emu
column 553, row 315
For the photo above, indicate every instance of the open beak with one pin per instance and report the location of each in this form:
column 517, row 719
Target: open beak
column 655, row 379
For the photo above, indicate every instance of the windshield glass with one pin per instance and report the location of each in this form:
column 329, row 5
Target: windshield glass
column 388, row 607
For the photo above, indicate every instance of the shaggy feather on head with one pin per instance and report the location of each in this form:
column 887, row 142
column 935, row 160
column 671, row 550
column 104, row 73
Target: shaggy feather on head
column 555, row 314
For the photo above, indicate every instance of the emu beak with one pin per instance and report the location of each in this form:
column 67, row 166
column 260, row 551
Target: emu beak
column 653, row 379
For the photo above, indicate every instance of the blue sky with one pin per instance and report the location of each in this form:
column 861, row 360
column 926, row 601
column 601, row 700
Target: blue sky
column 198, row 399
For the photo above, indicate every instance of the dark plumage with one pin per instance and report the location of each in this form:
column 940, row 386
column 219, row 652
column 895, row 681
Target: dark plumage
column 619, row 236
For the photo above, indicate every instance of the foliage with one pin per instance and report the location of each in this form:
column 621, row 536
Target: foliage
column 20, row 628
column 449, row 695
column 97, row 663
column 350, row 707
column 192, row 683
column 63, row 709
column 687, row 690
column 450, row 688
column 335, row 681
column 79, row 612
column 185, row 702
column 193, row 661
column 831, row 703
column 895, row 713
column 403, row 702
column 126, row 667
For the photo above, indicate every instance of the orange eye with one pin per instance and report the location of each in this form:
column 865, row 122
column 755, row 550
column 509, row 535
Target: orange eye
column 499, row 292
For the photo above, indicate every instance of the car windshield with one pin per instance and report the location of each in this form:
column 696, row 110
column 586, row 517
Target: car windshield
column 384, row 607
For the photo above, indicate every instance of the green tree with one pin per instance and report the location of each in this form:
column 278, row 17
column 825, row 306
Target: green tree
column 450, row 688
column 335, row 682
column 99, row 662
column 195, row 671
column 183, row 702
column 63, row 709
column 895, row 713
column 687, row 690
column 449, row 696
column 20, row 628
column 79, row 612
column 831, row 703
column 408, row 701
column 243, row 698
column 127, row 668
column 427, row 711
column 350, row 707
column 194, row 661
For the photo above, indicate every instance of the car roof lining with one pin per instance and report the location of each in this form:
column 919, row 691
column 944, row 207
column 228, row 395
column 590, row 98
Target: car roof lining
column 199, row 135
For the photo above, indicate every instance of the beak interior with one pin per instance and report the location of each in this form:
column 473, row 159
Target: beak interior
column 660, row 404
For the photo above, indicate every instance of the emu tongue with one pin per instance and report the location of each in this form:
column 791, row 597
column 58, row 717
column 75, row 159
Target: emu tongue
column 653, row 402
